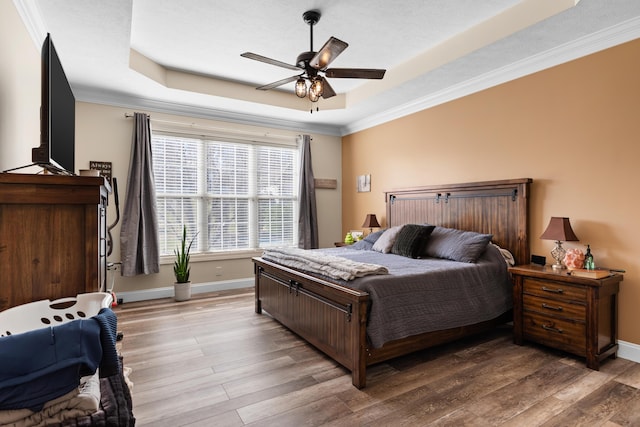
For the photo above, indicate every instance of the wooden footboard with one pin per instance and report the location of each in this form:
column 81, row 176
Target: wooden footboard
column 330, row 317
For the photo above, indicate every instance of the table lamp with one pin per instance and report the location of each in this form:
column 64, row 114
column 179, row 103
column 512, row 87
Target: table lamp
column 559, row 229
column 370, row 222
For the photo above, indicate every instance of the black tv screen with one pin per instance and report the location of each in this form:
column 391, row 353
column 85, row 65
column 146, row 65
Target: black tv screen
column 57, row 116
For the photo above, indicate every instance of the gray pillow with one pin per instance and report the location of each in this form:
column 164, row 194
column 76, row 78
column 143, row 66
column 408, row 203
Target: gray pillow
column 411, row 240
column 386, row 240
column 362, row 245
column 456, row 245
column 372, row 237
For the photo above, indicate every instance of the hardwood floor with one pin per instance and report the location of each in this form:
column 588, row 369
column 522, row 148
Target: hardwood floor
column 212, row 361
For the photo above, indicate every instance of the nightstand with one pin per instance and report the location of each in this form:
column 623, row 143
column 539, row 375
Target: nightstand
column 574, row 314
column 340, row 244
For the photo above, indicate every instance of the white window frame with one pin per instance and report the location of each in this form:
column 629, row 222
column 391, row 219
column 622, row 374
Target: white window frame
column 200, row 249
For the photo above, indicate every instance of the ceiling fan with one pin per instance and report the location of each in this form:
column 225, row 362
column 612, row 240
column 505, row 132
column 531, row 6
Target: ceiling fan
column 314, row 64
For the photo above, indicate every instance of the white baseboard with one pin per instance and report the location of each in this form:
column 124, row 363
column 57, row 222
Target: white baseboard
column 629, row 351
column 626, row 350
column 196, row 288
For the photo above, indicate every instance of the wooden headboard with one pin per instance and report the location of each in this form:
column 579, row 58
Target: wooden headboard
column 493, row 207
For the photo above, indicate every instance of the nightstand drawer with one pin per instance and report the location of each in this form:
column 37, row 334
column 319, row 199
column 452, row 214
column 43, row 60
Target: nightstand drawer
column 559, row 333
column 549, row 289
column 554, row 307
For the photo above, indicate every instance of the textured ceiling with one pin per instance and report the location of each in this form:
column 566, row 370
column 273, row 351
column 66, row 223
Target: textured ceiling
column 184, row 56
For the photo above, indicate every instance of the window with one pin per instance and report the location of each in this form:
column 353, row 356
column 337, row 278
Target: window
column 235, row 195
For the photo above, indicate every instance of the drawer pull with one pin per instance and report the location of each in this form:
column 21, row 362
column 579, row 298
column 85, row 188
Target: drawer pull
column 554, row 291
column 552, row 329
column 551, row 307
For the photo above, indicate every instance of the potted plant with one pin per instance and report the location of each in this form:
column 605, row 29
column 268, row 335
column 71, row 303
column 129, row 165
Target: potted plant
column 181, row 268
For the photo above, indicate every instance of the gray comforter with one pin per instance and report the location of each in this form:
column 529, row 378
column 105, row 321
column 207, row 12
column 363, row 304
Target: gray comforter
column 424, row 295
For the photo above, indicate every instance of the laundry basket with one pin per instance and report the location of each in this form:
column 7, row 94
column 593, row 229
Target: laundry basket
column 45, row 313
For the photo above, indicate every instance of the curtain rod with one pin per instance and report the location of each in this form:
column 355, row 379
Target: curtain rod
column 217, row 129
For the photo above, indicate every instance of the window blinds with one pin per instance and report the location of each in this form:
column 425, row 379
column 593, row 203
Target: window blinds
column 235, row 195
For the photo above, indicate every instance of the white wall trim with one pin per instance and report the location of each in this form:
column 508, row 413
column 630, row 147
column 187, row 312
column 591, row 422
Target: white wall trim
column 629, row 351
column 32, row 18
column 197, row 288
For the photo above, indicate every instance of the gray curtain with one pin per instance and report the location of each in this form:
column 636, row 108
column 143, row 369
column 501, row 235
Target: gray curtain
column 308, row 219
column 139, row 231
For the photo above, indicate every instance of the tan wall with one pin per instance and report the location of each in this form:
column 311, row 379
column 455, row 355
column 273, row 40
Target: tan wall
column 574, row 129
column 103, row 133
column 19, row 90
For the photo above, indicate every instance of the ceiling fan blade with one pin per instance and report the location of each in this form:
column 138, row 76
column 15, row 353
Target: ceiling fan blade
column 330, row 51
column 261, row 58
column 355, row 73
column 278, row 83
column 327, row 90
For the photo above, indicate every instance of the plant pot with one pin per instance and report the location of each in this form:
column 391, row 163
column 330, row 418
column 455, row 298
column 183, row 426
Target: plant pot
column 182, row 291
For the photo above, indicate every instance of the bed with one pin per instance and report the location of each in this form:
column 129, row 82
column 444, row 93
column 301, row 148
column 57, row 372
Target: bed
column 335, row 315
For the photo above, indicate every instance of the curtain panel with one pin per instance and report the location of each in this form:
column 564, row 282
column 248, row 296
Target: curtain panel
column 308, row 218
column 139, row 230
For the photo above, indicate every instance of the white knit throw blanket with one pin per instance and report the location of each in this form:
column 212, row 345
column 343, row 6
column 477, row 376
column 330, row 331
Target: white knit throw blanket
column 320, row 263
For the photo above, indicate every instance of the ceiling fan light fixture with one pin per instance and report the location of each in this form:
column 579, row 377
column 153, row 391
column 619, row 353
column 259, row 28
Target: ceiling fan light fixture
column 301, row 88
column 313, row 97
column 312, row 66
column 316, row 88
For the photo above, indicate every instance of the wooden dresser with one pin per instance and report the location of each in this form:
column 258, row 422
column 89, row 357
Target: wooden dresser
column 52, row 236
column 570, row 313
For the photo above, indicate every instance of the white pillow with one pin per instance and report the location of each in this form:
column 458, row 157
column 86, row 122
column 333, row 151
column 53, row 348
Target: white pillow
column 386, row 241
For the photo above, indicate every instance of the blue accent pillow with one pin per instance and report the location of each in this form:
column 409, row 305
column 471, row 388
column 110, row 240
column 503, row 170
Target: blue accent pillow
column 361, row 245
column 372, row 237
column 367, row 243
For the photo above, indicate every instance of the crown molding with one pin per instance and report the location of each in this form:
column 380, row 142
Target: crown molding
column 127, row 101
column 601, row 40
column 593, row 43
column 604, row 39
column 32, row 19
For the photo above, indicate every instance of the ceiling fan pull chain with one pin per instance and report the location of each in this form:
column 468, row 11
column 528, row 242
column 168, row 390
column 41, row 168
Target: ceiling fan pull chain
column 311, row 108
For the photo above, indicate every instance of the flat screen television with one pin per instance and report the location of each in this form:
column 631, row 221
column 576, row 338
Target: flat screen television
column 56, row 152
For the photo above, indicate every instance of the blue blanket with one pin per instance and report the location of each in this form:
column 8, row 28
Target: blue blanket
column 43, row 364
column 110, row 363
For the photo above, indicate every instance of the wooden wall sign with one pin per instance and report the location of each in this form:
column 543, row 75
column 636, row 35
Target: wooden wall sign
column 326, row 183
